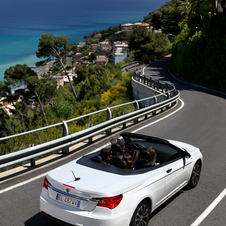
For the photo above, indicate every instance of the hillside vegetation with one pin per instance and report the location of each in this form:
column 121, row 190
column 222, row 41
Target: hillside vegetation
column 193, row 29
column 97, row 88
column 200, row 59
column 197, row 28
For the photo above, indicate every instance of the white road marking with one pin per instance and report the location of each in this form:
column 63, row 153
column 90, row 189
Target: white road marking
column 209, row 209
column 198, row 220
column 23, row 183
column 44, row 174
column 182, row 105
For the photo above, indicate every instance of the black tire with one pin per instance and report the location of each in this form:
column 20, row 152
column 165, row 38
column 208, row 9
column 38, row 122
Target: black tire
column 195, row 175
column 141, row 214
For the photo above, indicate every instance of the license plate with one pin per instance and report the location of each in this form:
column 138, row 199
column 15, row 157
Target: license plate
column 68, row 200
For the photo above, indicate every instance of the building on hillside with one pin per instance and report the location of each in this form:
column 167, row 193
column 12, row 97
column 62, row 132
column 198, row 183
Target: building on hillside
column 137, row 24
column 62, row 79
column 94, row 47
column 83, row 61
column 104, row 46
column 101, row 60
column 79, row 47
column 159, row 31
column 23, row 87
column 144, row 26
column 59, row 79
column 97, row 36
column 120, row 51
column 127, row 26
column 128, row 32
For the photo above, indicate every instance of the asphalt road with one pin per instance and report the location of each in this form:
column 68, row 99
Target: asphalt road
column 199, row 119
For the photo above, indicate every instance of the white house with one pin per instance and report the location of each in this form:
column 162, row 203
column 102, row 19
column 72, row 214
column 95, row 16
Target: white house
column 119, row 53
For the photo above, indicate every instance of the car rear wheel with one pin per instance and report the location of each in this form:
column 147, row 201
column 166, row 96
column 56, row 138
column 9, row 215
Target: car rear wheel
column 141, row 214
column 195, row 175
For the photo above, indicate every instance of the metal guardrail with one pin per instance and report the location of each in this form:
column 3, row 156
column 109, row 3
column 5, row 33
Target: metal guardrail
column 164, row 100
column 129, row 66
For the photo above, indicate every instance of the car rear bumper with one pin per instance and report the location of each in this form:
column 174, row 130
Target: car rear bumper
column 65, row 214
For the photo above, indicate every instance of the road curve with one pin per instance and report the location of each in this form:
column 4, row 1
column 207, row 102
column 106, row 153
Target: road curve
column 200, row 121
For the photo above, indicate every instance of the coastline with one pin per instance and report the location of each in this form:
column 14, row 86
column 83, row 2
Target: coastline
column 21, row 30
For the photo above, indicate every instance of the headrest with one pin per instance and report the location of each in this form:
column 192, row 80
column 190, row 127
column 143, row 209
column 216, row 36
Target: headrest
column 96, row 158
column 131, row 152
column 121, row 164
column 144, row 156
column 116, row 149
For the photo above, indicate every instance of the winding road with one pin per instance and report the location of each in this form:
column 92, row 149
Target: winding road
column 199, row 119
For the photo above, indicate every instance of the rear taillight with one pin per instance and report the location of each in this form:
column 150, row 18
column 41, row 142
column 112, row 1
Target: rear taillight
column 45, row 183
column 110, row 202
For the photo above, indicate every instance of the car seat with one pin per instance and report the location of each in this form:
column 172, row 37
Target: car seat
column 143, row 161
column 121, row 164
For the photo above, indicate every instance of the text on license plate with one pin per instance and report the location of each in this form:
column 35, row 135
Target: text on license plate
column 68, row 200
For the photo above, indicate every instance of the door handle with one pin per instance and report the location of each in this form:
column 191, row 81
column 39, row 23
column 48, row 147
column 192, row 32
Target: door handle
column 169, row 170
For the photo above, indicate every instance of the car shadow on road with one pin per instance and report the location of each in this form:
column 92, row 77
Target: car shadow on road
column 38, row 220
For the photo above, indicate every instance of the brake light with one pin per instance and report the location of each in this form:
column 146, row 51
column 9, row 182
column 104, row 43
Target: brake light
column 45, row 183
column 110, row 202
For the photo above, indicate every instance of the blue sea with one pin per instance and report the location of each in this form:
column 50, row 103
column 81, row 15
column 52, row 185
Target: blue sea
column 22, row 22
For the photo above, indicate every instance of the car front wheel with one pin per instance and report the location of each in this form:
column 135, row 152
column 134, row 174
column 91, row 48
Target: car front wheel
column 195, row 175
column 141, row 214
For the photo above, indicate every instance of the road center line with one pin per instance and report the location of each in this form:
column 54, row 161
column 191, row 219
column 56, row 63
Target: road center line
column 44, row 174
column 209, row 209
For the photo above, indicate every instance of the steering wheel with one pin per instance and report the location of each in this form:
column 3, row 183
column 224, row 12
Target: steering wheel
column 137, row 147
column 132, row 147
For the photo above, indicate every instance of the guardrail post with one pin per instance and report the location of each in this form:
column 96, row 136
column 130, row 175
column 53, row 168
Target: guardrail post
column 109, row 116
column 65, row 150
column 124, row 124
column 146, row 115
column 136, row 105
column 158, row 85
column 168, row 97
column 90, row 138
column 135, row 75
column 155, row 102
column 32, row 161
column 166, row 87
column 144, row 79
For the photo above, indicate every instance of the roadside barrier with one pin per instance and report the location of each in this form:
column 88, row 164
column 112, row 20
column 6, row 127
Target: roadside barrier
column 166, row 98
column 129, row 66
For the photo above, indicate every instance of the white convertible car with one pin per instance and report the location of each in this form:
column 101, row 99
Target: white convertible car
column 90, row 193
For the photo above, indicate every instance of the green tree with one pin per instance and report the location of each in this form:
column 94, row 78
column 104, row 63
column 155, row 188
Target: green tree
column 38, row 90
column 86, row 37
column 147, row 18
column 64, row 109
column 42, row 91
column 171, row 22
column 55, row 48
column 3, row 117
column 94, row 33
column 148, row 45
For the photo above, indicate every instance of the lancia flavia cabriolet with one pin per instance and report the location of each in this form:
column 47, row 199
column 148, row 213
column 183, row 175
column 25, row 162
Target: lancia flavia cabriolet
column 88, row 192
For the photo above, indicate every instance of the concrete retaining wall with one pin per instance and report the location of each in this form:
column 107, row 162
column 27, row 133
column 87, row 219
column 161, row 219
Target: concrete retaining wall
column 141, row 91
